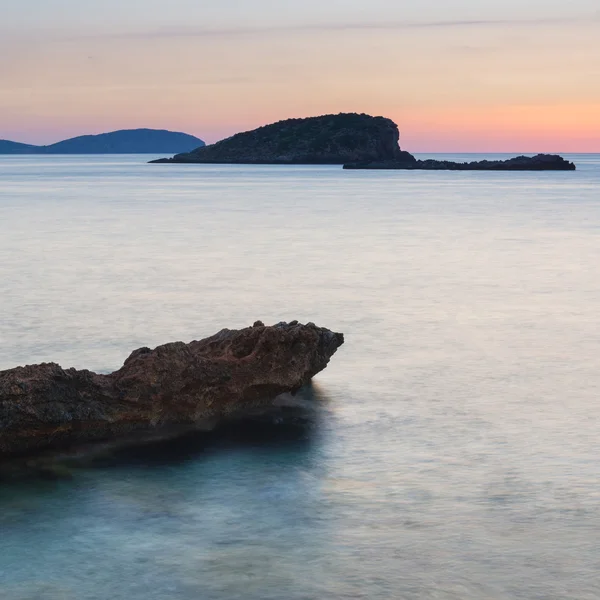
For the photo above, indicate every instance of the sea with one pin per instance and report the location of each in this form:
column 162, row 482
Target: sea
column 454, row 448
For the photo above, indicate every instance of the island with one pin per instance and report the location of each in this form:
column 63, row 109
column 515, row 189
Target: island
column 126, row 141
column 324, row 140
column 356, row 141
column 166, row 392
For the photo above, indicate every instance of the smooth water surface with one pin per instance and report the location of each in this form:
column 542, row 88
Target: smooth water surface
column 455, row 454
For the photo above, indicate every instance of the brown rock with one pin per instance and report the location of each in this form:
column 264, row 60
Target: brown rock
column 170, row 389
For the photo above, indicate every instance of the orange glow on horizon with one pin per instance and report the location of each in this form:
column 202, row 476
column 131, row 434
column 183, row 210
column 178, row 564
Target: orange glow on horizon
column 484, row 88
column 566, row 128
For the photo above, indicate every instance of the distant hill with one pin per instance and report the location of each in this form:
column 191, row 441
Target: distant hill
column 328, row 139
column 126, row 141
column 7, row 147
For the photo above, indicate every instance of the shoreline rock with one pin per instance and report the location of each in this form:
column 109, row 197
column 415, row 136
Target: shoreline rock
column 162, row 393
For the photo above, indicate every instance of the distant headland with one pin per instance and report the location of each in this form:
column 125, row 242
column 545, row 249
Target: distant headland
column 125, row 141
column 357, row 141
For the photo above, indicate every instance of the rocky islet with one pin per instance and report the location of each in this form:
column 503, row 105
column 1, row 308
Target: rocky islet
column 356, row 141
column 539, row 162
column 327, row 139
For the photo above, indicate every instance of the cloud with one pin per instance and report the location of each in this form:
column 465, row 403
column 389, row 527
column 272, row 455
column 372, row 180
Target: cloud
column 183, row 32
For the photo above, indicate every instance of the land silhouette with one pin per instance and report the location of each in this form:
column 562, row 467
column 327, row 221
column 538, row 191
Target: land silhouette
column 357, row 141
column 125, row 141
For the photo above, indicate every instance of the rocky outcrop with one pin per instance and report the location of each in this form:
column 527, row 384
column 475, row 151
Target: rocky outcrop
column 540, row 162
column 169, row 390
column 328, row 139
column 358, row 141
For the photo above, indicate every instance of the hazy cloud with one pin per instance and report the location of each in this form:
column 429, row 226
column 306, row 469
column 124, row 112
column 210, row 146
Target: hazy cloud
column 181, row 32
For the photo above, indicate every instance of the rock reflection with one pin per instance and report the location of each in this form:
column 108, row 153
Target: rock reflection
column 292, row 422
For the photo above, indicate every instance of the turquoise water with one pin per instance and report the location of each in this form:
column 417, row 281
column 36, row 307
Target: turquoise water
column 454, row 450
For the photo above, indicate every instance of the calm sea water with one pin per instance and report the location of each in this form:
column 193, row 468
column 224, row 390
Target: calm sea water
column 455, row 450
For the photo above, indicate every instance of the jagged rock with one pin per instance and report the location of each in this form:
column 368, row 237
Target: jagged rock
column 540, row 162
column 328, row 139
column 169, row 390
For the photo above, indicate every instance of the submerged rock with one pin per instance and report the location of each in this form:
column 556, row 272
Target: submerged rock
column 328, row 139
column 163, row 392
column 540, row 162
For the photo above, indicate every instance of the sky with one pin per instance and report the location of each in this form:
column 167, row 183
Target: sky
column 455, row 75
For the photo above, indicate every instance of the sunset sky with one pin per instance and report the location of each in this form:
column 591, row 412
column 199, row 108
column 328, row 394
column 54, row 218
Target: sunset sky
column 456, row 75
